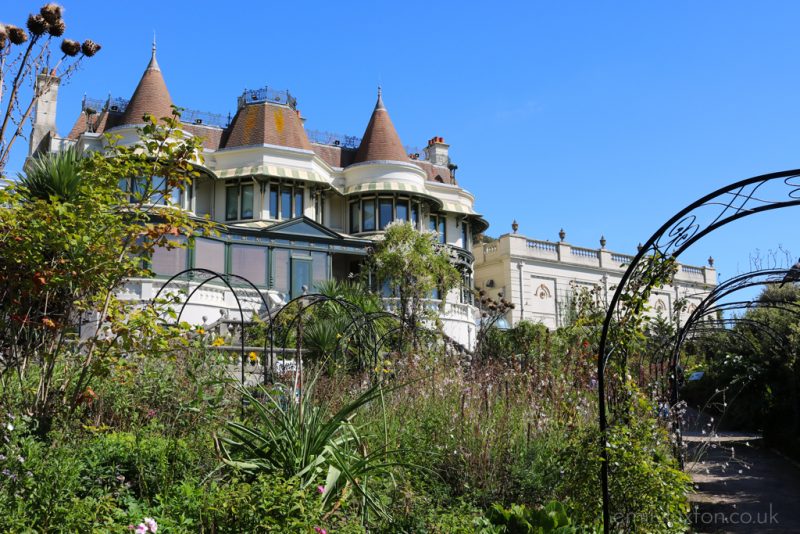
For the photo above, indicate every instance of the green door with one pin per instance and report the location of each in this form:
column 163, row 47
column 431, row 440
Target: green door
column 301, row 276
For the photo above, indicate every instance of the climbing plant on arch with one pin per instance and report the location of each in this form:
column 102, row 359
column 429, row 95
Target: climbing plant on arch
column 654, row 265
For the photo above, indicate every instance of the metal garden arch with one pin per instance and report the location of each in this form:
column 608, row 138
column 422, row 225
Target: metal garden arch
column 653, row 261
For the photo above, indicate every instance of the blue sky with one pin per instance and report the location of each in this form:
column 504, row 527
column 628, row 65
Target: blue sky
column 598, row 117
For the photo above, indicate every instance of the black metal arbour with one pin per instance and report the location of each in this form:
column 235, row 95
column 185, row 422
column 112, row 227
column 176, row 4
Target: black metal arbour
column 360, row 329
column 723, row 206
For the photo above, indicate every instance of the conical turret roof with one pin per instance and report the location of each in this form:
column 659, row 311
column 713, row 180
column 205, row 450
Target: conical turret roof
column 380, row 140
column 151, row 95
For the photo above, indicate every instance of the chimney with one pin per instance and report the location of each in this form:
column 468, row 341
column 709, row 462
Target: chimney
column 44, row 117
column 437, row 151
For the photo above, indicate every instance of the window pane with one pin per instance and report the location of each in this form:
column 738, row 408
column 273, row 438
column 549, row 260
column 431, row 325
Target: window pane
column 414, row 214
column 273, row 202
column 432, row 225
column 369, row 215
column 385, row 209
column 280, row 270
column 231, row 203
column 464, row 235
column 249, row 262
column 169, row 262
column 402, row 210
column 298, row 202
column 209, row 254
column 158, row 190
column 286, row 203
column 247, row 201
column 442, row 229
column 355, row 212
column 319, row 261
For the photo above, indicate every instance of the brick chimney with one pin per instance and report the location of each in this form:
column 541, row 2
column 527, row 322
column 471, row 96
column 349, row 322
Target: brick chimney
column 44, row 118
column 437, row 151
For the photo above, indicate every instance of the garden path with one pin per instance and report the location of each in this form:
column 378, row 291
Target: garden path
column 741, row 486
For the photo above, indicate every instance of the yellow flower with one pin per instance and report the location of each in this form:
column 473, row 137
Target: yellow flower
column 201, row 331
column 218, row 342
column 253, row 357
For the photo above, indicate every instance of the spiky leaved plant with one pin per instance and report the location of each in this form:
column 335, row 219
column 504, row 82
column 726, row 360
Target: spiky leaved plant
column 52, row 175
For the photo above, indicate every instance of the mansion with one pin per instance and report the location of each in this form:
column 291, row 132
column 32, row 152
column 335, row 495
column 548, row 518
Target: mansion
column 296, row 207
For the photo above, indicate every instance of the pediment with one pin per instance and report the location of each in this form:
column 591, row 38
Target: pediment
column 303, row 227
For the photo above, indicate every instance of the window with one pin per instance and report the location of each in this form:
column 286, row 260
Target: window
column 246, row 210
column 368, row 219
column 385, row 212
column 355, row 212
column 401, row 210
column 415, row 215
column 249, row 262
column 465, row 235
column 437, row 223
column 298, row 202
column 239, row 201
column 273, row 202
column 286, row 201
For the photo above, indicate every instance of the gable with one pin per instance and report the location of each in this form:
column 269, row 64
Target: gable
column 303, row 227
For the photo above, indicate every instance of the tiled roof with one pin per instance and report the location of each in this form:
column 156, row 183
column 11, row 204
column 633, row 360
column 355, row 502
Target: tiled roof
column 432, row 171
column 151, row 96
column 335, row 156
column 380, row 140
column 212, row 137
column 267, row 124
column 101, row 122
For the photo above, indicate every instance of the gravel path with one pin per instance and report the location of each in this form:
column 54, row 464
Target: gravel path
column 741, row 486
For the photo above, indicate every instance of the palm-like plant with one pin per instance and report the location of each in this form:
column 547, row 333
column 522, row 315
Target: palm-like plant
column 52, row 175
column 297, row 438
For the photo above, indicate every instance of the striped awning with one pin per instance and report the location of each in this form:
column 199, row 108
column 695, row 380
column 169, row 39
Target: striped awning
column 270, row 170
column 457, row 207
column 393, row 187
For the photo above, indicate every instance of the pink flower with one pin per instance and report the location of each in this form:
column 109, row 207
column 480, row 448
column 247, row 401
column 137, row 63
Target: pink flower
column 321, row 489
column 141, row 528
column 151, row 524
column 320, row 530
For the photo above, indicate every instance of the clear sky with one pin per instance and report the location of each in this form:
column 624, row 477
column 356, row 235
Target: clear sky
column 598, row 117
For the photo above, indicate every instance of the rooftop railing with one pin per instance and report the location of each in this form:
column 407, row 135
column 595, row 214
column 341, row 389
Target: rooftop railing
column 266, row 94
column 188, row 116
column 333, row 139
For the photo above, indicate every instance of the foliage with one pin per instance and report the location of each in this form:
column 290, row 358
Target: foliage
column 755, row 363
column 296, row 438
column 52, row 175
column 412, row 265
column 26, row 54
column 519, row 519
column 62, row 260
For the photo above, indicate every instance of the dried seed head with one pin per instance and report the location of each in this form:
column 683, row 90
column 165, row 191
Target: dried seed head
column 89, row 48
column 70, row 48
column 37, row 25
column 51, row 12
column 16, row 34
column 57, row 28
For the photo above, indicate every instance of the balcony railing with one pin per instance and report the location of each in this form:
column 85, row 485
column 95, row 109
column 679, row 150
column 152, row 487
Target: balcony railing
column 188, row 116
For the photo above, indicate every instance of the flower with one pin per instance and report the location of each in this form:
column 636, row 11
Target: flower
column 218, row 342
column 141, row 528
column 151, row 524
column 321, row 489
column 320, row 530
column 253, row 357
column 201, row 331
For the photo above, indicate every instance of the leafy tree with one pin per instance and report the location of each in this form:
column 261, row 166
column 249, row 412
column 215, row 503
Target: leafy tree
column 64, row 254
column 412, row 265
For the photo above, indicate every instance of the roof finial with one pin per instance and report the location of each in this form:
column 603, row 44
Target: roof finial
column 153, row 62
column 379, row 104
